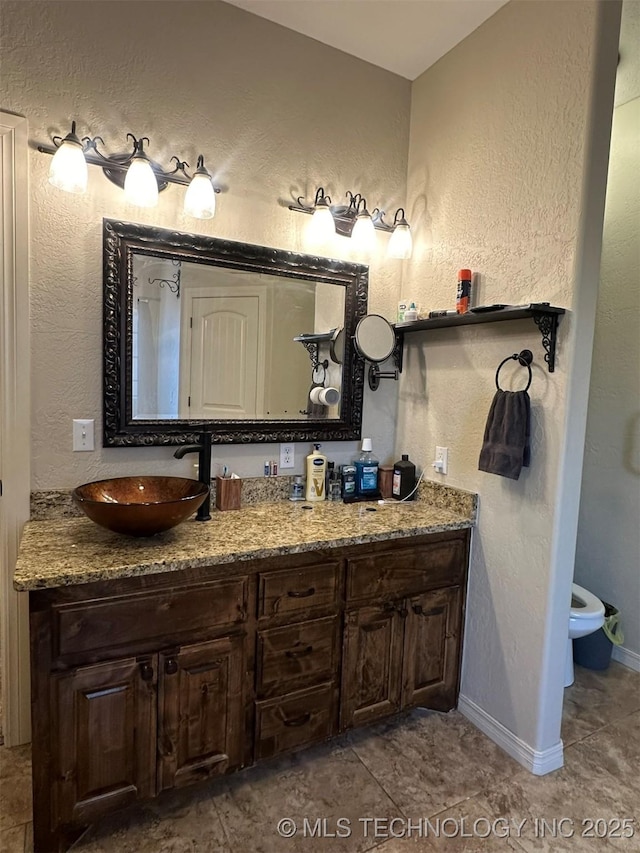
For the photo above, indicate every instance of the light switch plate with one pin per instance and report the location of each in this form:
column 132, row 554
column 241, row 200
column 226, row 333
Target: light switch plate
column 83, row 433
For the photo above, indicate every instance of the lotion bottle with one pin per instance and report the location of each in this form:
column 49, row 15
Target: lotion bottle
column 316, row 475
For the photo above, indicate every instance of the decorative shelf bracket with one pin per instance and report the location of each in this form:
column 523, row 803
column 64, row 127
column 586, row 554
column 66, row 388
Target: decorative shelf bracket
column 548, row 325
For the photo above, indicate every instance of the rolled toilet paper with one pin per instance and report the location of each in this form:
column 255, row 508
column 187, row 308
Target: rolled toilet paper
column 325, row 396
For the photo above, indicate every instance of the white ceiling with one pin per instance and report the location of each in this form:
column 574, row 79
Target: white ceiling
column 403, row 36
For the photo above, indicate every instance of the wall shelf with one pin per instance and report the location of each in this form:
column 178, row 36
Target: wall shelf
column 545, row 317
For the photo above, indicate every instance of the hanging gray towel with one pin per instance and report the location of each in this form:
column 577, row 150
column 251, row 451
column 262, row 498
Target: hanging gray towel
column 505, row 448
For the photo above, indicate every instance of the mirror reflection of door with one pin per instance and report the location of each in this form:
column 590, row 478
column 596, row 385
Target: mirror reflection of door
column 225, row 361
column 218, row 344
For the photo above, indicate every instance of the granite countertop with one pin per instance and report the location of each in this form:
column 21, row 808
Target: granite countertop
column 66, row 551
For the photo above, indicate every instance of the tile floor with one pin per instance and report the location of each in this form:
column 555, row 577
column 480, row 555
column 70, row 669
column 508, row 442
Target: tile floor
column 424, row 765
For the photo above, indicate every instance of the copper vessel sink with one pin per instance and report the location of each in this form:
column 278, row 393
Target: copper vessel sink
column 140, row 506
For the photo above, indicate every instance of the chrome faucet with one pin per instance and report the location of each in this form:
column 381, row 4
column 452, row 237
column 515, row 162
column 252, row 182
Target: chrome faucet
column 203, row 449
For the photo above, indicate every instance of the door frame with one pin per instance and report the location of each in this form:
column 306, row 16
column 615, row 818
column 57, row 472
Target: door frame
column 15, row 423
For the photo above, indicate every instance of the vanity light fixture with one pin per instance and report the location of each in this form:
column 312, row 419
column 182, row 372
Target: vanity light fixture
column 364, row 234
column 140, row 177
column 400, row 243
column 353, row 220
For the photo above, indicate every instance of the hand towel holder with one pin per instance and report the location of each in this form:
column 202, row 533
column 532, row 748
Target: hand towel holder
column 525, row 358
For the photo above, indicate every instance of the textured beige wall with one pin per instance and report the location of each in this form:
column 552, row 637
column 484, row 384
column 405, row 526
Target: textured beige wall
column 496, row 162
column 274, row 113
column 608, row 549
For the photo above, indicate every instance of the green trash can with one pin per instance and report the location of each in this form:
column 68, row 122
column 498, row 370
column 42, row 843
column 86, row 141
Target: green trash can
column 594, row 650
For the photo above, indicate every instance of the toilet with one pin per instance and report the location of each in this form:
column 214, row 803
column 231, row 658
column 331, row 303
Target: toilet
column 586, row 616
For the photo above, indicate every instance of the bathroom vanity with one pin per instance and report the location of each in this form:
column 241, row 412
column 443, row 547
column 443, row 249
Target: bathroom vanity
column 157, row 663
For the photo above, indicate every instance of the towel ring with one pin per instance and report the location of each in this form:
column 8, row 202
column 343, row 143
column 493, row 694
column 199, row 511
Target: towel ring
column 525, row 358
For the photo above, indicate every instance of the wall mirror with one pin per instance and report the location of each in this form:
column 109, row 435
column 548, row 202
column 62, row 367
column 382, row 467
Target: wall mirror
column 232, row 337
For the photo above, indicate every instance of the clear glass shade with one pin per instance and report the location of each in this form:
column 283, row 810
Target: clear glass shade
column 322, row 226
column 200, row 198
column 400, row 243
column 364, row 234
column 140, row 184
column 68, row 169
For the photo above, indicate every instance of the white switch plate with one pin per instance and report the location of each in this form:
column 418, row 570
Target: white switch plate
column 442, row 456
column 287, row 456
column 83, row 433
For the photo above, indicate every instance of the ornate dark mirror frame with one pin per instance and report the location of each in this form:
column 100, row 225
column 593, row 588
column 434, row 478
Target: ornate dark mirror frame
column 120, row 241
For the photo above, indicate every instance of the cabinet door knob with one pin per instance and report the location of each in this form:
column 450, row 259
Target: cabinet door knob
column 146, row 671
column 293, row 593
column 417, row 609
column 170, row 666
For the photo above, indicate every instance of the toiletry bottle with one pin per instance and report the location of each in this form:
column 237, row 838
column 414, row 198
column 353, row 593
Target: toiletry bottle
column 334, row 491
column 327, row 477
column 463, row 300
column 316, row 473
column 411, row 313
column 404, row 479
column 366, row 471
column 348, row 474
column 297, row 489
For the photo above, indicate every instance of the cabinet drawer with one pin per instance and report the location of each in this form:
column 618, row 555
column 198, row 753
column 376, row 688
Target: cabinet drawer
column 405, row 571
column 296, row 654
column 142, row 617
column 296, row 590
column 294, row 720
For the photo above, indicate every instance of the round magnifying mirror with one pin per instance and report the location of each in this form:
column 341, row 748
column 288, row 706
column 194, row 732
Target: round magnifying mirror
column 336, row 346
column 374, row 338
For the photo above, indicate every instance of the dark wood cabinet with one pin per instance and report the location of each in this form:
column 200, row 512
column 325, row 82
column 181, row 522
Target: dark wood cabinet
column 155, row 682
column 201, row 706
column 104, row 750
column 432, row 635
column 371, row 673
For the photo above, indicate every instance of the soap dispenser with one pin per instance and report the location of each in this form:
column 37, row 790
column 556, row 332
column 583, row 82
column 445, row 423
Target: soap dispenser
column 316, row 475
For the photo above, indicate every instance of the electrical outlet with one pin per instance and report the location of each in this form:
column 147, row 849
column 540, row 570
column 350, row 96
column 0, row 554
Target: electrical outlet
column 442, row 460
column 287, row 456
column 83, row 433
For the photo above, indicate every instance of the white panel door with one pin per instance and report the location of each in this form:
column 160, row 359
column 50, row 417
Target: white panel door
column 224, row 357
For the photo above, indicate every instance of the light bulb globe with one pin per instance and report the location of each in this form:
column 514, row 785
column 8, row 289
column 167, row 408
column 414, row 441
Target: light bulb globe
column 68, row 170
column 140, row 184
column 364, row 233
column 322, row 226
column 400, row 243
column 200, row 197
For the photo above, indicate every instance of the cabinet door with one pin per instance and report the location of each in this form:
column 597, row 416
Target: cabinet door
column 105, row 717
column 371, row 672
column 431, row 649
column 201, row 711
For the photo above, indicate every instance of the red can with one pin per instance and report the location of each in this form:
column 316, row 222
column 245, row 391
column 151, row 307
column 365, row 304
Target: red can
column 463, row 299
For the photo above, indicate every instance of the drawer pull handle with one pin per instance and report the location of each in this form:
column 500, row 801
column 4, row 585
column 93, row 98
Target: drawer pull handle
column 298, row 721
column 374, row 626
column 146, row 671
column 170, row 666
column 293, row 593
column 299, row 653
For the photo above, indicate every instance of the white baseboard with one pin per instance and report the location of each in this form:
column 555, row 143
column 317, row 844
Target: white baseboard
column 626, row 657
column 537, row 762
